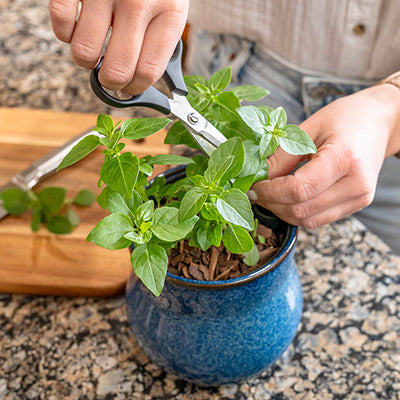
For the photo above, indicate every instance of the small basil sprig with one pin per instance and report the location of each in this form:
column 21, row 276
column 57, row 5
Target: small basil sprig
column 49, row 206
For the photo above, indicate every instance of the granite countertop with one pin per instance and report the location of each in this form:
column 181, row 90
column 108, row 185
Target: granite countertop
column 347, row 346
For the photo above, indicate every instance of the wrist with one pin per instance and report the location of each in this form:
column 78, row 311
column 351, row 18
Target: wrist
column 387, row 94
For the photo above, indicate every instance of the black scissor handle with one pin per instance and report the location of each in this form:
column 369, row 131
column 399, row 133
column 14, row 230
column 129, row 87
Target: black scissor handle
column 152, row 97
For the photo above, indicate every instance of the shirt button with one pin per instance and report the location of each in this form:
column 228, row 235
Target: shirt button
column 359, row 29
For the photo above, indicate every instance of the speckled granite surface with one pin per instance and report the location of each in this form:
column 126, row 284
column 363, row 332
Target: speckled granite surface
column 52, row 348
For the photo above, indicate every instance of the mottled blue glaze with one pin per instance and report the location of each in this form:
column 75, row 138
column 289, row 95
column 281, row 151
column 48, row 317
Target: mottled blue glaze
column 220, row 332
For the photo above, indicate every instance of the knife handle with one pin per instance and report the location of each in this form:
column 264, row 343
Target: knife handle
column 48, row 165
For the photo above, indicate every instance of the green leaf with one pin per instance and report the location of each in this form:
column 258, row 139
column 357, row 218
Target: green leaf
column 109, row 232
column 278, row 118
column 262, row 174
column 120, row 173
column 220, row 156
column 198, row 166
column 236, row 239
column 254, row 117
column 52, row 199
column 169, row 159
column 105, row 124
column 209, row 212
column 221, row 79
column 296, row 141
column 85, row 198
column 146, row 169
column 222, row 113
column 80, row 150
column 150, row 263
column 60, row 224
column 202, row 89
column 191, row 203
column 139, row 128
column 251, row 257
column 244, row 183
column 238, row 129
column 268, row 145
column 191, row 80
column 118, row 203
column 73, row 217
column 182, row 185
column 250, row 92
column 252, row 160
column 229, row 100
column 235, row 207
column 209, row 234
column 178, row 134
column 145, row 211
column 137, row 238
column 15, row 201
column 166, row 226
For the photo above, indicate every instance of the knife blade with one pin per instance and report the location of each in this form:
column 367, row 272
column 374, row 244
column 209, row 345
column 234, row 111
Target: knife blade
column 43, row 168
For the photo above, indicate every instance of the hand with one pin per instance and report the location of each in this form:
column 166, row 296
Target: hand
column 353, row 135
column 143, row 39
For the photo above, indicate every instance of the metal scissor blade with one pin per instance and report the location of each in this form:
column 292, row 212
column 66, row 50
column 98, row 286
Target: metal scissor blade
column 203, row 132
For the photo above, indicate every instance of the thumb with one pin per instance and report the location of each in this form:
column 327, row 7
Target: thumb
column 281, row 163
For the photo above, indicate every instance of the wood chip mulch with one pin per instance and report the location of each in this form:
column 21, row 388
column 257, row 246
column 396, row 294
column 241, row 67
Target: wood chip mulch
column 217, row 263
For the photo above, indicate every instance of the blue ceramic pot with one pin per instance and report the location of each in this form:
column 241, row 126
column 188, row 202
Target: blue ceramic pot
column 214, row 333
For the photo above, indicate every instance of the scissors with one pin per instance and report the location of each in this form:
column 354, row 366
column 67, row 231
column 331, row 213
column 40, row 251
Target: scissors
column 207, row 136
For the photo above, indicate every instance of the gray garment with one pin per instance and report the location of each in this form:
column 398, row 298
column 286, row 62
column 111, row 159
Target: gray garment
column 301, row 95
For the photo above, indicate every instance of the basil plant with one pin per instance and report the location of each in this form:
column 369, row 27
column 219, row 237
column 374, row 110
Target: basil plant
column 207, row 207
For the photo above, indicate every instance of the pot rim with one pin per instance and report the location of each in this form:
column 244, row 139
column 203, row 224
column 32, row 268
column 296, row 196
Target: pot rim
column 284, row 251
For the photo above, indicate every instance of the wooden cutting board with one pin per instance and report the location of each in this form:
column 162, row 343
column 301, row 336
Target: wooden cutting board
column 44, row 263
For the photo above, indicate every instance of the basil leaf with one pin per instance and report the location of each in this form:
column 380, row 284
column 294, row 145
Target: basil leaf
column 209, row 234
column 80, row 150
column 117, row 203
column 229, row 100
column 178, row 134
column 254, row 117
column 146, row 169
column 104, row 124
column 198, row 166
column 251, row 257
column 137, row 238
column 278, row 118
column 15, row 201
column 166, row 226
column 244, row 183
column 222, row 113
column 235, row 207
column 236, row 239
column 145, row 211
column 220, row 79
column 250, row 92
column 218, row 159
column 238, row 129
column 85, row 197
column 37, row 217
column 191, row 203
column 169, row 159
column 59, row 224
column 296, row 141
column 150, row 262
column 252, row 160
column 109, row 232
column 72, row 217
column 120, row 173
column 268, row 145
column 139, row 128
column 52, row 199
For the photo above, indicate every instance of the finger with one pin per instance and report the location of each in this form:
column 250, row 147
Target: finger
column 160, row 41
column 340, row 194
column 90, row 32
column 327, row 216
column 123, row 50
column 315, row 177
column 63, row 18
column 281, row 163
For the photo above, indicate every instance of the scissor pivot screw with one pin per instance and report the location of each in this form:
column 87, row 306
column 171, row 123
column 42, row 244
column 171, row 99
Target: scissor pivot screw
column 193, row 118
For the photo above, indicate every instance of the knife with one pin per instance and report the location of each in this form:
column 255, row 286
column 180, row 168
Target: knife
column 43, row 168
